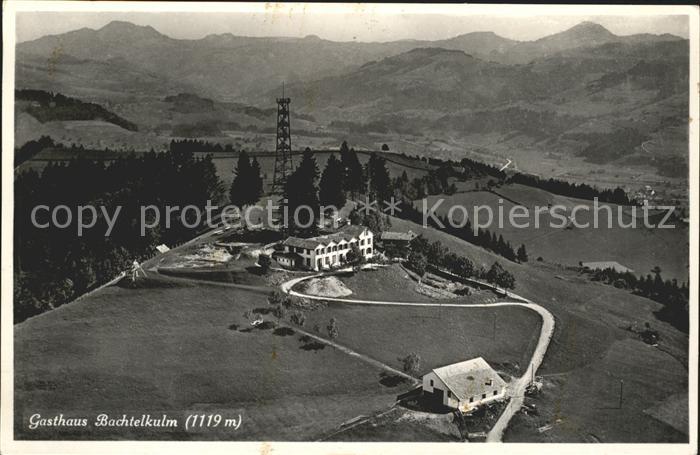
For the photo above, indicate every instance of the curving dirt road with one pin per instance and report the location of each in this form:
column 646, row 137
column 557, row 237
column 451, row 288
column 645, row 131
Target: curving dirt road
column 516, row 389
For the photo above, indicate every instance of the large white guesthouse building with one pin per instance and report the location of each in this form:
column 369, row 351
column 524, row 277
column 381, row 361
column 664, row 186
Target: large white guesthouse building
column 326, row 251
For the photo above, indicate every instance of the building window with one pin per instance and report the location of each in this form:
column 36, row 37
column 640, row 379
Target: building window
column 471, row 399
column 483, row 395
column 369, row 250
column 495, row 392
column 431, row 383
column 449, row 394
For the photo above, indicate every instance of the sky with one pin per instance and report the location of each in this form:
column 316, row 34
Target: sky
column 351, row 23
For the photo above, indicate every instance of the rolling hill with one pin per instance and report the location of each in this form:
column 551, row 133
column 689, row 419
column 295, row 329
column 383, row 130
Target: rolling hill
column 584, row 93
column 584, row 35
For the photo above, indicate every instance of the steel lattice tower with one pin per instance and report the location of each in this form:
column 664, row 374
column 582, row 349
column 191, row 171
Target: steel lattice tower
column 283, row 152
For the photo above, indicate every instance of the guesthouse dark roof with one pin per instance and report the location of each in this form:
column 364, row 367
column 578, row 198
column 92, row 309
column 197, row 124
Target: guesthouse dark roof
column 346, row 233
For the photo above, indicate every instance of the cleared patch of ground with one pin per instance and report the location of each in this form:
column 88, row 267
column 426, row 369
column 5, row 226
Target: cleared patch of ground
column 325, row 287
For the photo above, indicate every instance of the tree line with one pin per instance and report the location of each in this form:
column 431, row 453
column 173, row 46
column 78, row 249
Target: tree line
column 48, row 106
column 471, row 169
column 483, row 237
column 673, row 296
column 424, row 253
column 575, row 190
column 308, row 187
column 53, row 265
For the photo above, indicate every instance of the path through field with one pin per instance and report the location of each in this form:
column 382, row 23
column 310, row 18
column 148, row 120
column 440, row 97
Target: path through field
column 516, row 389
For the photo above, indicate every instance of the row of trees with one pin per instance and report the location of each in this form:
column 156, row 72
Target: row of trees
column 575, row 190
column 341, row 179
column 474, row 169
column 424, row 253
column 483, row 237
column 434, row 182
column 672, row 295
column 48, row 106
column 54, row 265
column 295, row 308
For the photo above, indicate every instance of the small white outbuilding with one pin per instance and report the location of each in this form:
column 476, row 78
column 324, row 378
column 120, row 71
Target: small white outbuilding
column 464, row 385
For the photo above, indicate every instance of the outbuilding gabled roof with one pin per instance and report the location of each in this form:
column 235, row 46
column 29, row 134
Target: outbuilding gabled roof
column 470, row 378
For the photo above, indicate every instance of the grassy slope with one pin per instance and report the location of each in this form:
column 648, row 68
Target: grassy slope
column 169, row 349
column 638, row 248
column 585, row 353
column 440, row 336
column 392, row 284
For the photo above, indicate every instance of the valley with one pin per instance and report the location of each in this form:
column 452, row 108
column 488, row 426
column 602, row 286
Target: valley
column 582, row 102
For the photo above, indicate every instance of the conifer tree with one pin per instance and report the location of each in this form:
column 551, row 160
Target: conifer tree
column 353, row 176
column 256, row 181
column 522, row 254
column 331, row 184
column 301, row 194
column 240, row 192
column 379, row 179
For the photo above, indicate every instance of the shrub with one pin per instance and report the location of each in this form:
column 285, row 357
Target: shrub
column 298, row 318
column 264, row 262
column 411, row 363
column 279, row 311
column 417, row 262
column 333, row 329
column 276, row 297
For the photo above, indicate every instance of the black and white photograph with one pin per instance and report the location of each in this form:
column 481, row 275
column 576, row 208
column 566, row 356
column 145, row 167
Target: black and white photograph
column 251, row 224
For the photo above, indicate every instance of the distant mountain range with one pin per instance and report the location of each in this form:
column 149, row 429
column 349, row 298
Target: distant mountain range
column 577, row 92
column 232, row 67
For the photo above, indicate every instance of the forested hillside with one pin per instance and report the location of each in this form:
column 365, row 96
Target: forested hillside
column 54, row 265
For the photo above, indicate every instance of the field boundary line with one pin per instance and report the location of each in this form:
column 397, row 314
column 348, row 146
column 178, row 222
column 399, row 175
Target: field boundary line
column 516, row 388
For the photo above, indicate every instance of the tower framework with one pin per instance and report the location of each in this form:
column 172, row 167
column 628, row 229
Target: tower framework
column 283, row 151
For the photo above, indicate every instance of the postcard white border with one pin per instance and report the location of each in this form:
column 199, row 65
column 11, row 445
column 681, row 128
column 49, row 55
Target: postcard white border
column 9, row 446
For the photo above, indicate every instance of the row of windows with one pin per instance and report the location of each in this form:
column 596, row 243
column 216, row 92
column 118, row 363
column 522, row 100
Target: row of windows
column 330, row 249
column 471, row 399
column 342, row 247
column 483, row 396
